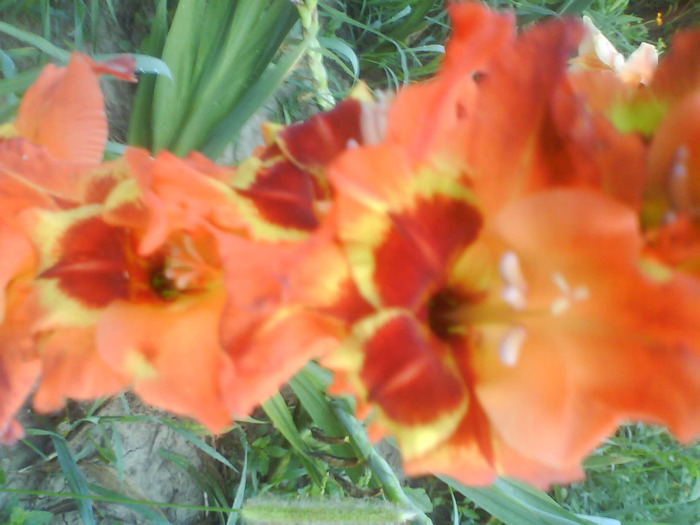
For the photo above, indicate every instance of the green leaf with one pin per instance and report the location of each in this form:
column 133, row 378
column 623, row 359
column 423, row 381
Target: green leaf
column 140, row 123
column 574, row 7
column 20, row 82
column 172, row 98
column 74, row 477
column 19, row 516
column 153, row 516
column 253, row 37
column 643, row 117
column 601, row 462
column 420, row 498
column 35, row 40
column 516, row 503
column 310, row 387
column 277, row 411
column 240, row 492
column 251, row 101
column 339, row 47
column 7, row 65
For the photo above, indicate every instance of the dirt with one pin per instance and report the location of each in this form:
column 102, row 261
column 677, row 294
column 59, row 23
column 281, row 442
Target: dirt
column 141, row 471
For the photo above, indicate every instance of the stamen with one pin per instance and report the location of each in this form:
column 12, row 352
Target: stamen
column 514, row 297
column 569, row 295
column 560, row 282
column 560, row 305
column 581, row 293
column 510, row 346
column 515, row 290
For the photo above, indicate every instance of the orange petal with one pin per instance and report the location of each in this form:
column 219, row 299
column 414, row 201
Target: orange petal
column 674, row 160
column 608, row 344
column 272, row 352
column 280, row 197
column 64, row 111
column 515, row 115
column 678, row 74
column 415, row 385
column 72, row 368
column 170, row 352
column 46, row 180
column 19, row 361
column 429, row 118
column 478, row 34
column 178, row 197
column 393, row 362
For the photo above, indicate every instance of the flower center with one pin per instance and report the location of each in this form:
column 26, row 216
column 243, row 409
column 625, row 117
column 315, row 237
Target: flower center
column 500, row 307
column 443, row 309
column 190, row 264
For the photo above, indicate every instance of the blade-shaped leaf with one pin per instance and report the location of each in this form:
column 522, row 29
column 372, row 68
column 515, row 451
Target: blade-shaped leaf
column 517, row 503
column 277, row 411
column 74, row 477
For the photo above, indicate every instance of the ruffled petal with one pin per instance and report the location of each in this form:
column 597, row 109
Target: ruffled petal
column 609, row 342
column 170, row 353
column 20, row 364
column 72, row 368
column 64, row 111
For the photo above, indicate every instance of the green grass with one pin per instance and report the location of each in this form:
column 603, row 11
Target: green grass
column 640, row 474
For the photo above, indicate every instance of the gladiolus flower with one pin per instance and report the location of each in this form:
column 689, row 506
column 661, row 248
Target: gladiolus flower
column 506, row 292
column 59, row 133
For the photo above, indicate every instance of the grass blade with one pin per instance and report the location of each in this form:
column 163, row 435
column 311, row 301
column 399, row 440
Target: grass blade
column 75, row 479
column 35, row 40
column 516, row 503
column 277, row 411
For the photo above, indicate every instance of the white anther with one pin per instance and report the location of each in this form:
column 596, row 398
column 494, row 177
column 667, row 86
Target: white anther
column 514, row 297
column 580, row 293
column 352, row 144
column 560, row 282
column 560, row 305
column 515, row 290
column 509, row 268
column 510, row 346
column 568, row 295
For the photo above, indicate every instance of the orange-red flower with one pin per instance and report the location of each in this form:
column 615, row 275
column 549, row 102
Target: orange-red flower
column 184, row 279
column 516, row 318
column 59, row 133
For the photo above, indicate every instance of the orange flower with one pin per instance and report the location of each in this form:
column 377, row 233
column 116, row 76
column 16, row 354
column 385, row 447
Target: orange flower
column 164, row 282
column 503, row 340
column 505, row 284
column 132, row 285
column 667, row 113
column 59, row 132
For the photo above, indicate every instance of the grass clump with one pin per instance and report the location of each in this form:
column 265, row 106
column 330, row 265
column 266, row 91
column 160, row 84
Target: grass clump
column 639, row 474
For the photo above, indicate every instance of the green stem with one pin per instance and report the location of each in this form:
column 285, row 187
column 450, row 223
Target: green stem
column 378, row 465
column 272, row 511
column 308, row 14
